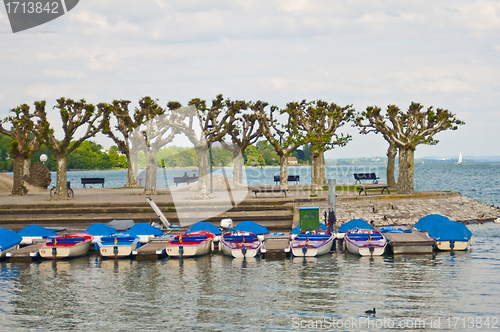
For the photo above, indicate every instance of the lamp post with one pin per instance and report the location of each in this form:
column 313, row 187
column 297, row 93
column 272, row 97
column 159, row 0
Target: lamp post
column 43, row 158
column 210, row 128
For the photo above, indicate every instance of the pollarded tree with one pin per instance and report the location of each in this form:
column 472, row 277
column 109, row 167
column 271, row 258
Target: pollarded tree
column 154, row 132
column 285, row 138
column 378, row 123
column 74, row 114
column 410, row 129
column 244, row 131
column 125, row 126
column 320, row 120
column 213, row 122
column 24, row 143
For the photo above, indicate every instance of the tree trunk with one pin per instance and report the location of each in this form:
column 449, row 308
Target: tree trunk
column 406, row 168
column 150, row 186
column 316, row 182
column 134, row 164
column 203, row 172
column 18, row 188
column 131, row 182
column 238, row 168
column 61, row 188
column 391, row 165
column 283, row 172
column 26, row 167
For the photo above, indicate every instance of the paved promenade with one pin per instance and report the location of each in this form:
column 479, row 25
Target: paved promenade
column 383, row 209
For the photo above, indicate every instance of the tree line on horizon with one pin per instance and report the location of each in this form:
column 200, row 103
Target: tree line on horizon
column 236, row 126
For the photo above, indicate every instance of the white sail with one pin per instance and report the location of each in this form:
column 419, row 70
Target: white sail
column 459, row 159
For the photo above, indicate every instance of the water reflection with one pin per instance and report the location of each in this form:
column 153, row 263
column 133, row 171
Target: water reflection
column 216, row 292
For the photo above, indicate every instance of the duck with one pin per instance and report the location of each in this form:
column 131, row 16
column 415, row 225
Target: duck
column 371, row 311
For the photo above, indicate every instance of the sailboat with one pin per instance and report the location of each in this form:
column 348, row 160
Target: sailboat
column 459, row 159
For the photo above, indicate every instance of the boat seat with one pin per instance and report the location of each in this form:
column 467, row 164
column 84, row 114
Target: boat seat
column 239, row 238
column 69, row 240
column 192, row 238
column 365, row 236
column 313, row 237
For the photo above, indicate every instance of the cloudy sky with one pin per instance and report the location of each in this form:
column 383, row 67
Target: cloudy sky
column 440, row 53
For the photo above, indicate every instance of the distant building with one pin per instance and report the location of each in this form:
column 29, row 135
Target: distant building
column 292, row 161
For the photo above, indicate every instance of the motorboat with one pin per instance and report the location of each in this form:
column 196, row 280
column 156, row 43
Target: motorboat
column 365, row 242
column 117, row 245
column 66, row 246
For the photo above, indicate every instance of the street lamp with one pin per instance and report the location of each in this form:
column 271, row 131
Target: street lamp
column 210, row 128
column 43, row 158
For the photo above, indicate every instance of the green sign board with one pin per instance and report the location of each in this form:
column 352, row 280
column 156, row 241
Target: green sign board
column 309, row 218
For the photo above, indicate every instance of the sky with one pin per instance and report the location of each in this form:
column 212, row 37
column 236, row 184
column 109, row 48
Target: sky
column 444, row 54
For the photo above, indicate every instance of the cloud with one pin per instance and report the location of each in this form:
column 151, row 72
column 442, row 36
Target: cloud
column 349, row 52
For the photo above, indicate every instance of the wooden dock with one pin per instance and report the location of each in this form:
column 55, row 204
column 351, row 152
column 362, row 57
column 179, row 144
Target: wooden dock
column 153, row 250
column 409, row 243
column 275, row 244
column 27, row 253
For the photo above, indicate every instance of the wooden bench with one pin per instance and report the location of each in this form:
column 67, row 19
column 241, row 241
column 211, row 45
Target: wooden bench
column 290, row 178
column 365, row 176
column 92, row 181
column 377, row 187
column 185, row 179
column 255, row 191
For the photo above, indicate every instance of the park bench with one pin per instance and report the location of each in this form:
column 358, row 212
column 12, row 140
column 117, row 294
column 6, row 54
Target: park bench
column 255, row 191
column 363, row 189
column 365, row 176
column 184, row 179
column 290, row 178
column 92, row 181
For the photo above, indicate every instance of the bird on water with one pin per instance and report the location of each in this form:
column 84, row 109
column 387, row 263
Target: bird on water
column 371, row 311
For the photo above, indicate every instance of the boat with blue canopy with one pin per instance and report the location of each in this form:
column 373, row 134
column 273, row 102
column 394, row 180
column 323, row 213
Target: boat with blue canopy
column 32, row 233
column 353, row 224
column 144, row 231
column 117, row 245
column 9, row 241
column 451, row 236
column 100, row 230
column 424, row 224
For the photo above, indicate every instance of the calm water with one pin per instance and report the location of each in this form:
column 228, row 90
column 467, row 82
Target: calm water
column 452, row 291
column 216, row 292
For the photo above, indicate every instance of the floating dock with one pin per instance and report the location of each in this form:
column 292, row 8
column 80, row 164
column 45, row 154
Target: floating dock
column 155, row 248
column 409, row 243
column 275, row 244
column 27, row 253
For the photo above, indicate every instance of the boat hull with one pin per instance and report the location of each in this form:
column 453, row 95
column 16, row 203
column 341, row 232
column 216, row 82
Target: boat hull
column 61, row 252
column 239, row 252
column 457, row 245
column 313, row 246
column 189, row 250
column 365, row 242
column 118, row 251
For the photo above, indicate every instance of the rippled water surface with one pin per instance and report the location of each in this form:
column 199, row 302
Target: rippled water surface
column 216, row 292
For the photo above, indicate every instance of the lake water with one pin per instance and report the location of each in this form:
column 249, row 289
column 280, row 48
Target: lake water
column 459, row 291
column 442, row 291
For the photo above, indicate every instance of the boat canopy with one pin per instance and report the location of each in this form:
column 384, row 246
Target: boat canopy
column 204, row 226
column 250, row 226
column 8, row 239
column 353, row 224
column 296, row 230
column 100, row 230
column 450, row 231
column 144, row 229
column 36, row 231
column 424, row 224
